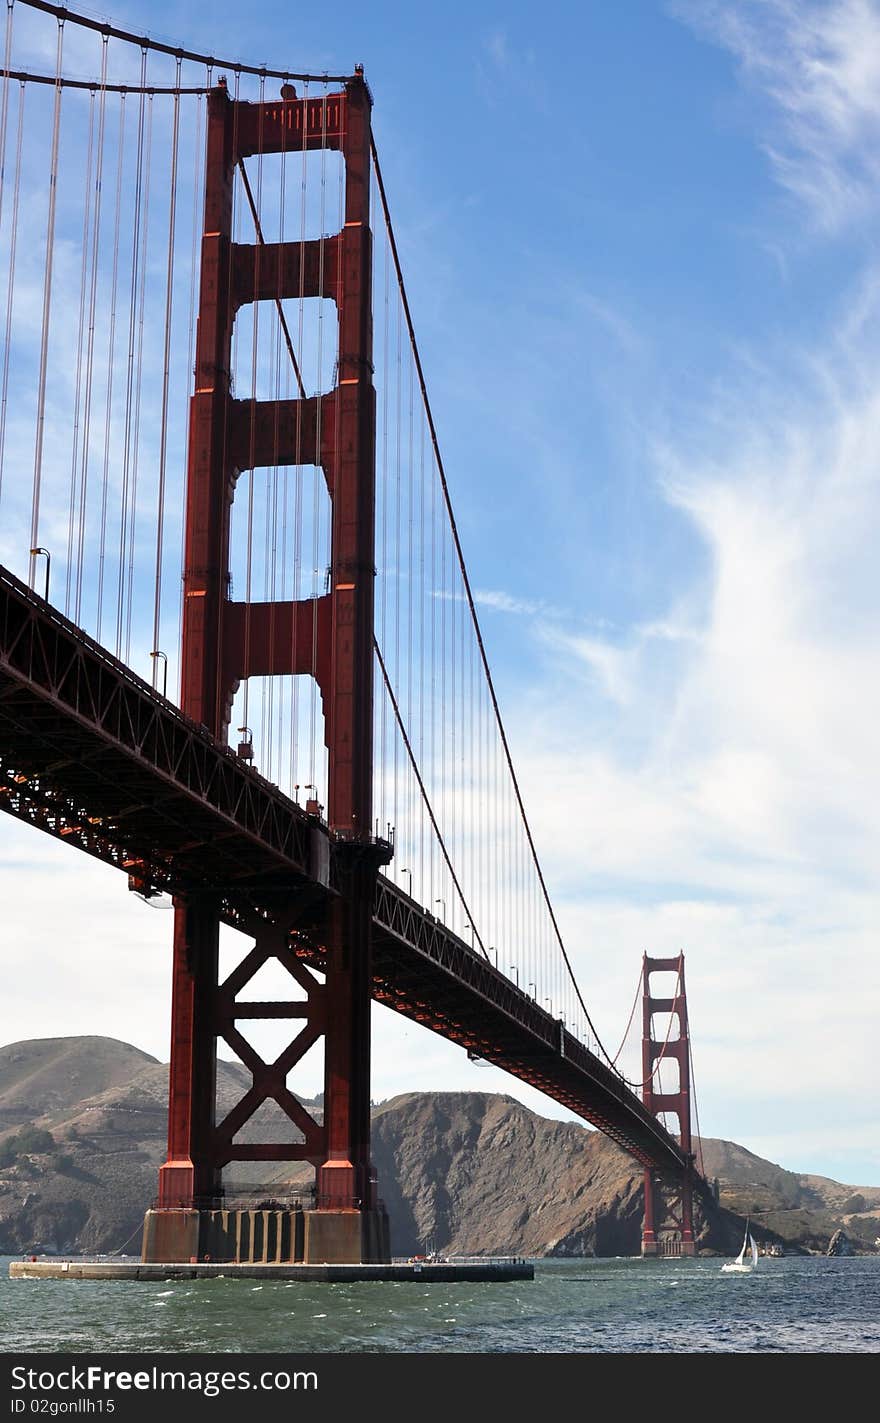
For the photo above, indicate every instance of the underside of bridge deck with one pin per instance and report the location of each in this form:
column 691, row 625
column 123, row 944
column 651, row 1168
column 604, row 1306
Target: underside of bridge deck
column 91, row 754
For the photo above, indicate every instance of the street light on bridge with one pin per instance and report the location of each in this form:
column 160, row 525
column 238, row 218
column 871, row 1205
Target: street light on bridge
column 154, row 655
column 48, row 557
column 515, row 970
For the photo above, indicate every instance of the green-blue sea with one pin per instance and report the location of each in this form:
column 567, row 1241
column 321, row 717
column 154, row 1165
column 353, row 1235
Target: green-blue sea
column 790, row 1305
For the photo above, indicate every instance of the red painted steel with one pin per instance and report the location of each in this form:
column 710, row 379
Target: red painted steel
column 91, row 754
column 330, row 638
column 668, row 1206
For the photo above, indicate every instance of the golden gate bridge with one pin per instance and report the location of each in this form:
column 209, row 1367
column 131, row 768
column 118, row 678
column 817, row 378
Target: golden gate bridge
column 209, row 365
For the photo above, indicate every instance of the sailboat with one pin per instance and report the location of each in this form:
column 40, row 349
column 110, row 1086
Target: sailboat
column 747, row 1258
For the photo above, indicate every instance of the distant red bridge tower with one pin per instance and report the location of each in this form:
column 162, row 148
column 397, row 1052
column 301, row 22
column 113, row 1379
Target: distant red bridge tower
column 668, row 1227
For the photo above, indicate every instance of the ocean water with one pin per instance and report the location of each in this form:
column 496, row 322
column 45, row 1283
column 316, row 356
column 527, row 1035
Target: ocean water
column 792, row 1305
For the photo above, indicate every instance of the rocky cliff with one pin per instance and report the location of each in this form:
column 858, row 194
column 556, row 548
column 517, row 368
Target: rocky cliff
column 479, row 1173
column 82, row 1133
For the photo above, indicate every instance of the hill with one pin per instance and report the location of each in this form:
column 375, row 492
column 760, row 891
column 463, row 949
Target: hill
column 800, row 1209
column 82, row 1134
column 48, row 1074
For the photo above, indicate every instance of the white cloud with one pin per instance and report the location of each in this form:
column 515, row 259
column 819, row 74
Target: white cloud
column 742, row 822
column 620, row 328
column 501, row 602
column 498, row 49
column 611, row 667
column 818, row 63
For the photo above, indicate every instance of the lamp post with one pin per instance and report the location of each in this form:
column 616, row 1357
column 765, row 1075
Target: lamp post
column 154, row 655
column 443, row 912
column 48, row 557
column 535, row 987
column 514, row 970
column 408, row 872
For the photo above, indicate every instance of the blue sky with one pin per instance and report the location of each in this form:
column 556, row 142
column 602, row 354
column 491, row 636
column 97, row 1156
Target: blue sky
column 639, row 244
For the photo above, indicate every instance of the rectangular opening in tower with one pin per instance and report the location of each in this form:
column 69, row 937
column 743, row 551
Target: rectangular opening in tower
column 299, row 196
column 283, row 347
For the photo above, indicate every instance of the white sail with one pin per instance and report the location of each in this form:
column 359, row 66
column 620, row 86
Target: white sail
column 740, row 1264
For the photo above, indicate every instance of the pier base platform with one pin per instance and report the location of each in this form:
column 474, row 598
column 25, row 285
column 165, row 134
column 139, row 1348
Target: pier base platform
column 266, row 1237
column 419, row 1270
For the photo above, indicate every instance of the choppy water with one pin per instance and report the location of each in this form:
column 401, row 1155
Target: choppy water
column 793, row 1305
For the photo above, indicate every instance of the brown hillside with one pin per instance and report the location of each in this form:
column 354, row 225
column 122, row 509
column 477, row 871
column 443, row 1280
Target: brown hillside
column 44, row 1074
column 470, row 1172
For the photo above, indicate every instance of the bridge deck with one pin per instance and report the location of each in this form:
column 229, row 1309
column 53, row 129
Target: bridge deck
column 91, row 754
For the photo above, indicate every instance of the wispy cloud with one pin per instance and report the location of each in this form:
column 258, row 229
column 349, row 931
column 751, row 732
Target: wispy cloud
column 817, row 62
column 500, row 601
column 502, row 60
column 497, row 47
column 720, row 762
column 624, row 333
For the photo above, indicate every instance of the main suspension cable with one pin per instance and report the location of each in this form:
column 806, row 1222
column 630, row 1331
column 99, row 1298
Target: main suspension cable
column 62, row 13
column 470, row 597
column 696, row 1108
column 632, row 1014
column 24, row 76
column 423, row 789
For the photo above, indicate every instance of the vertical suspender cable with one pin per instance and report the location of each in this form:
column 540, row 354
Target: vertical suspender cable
column 421, row 858
column 698, row 1133
column 166, row 367
column 271, row 579
column 398, row 582
column 4, row 117
column 255, row 339
column 469, row 596
column 298, row 518
column 47, row 308
column 4, row 108
column 316, row 491
column 191, row 323
column 229, row 379
column 10, row 287
column 130, row 366
column 138, row 383
column 383, row 608
column 111, row 353
column 90, row 342
column 455, row 881
column 81, row 332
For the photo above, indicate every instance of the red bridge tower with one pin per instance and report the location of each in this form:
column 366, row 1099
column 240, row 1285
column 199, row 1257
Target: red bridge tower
column 669, row 1216
column 328, row 637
